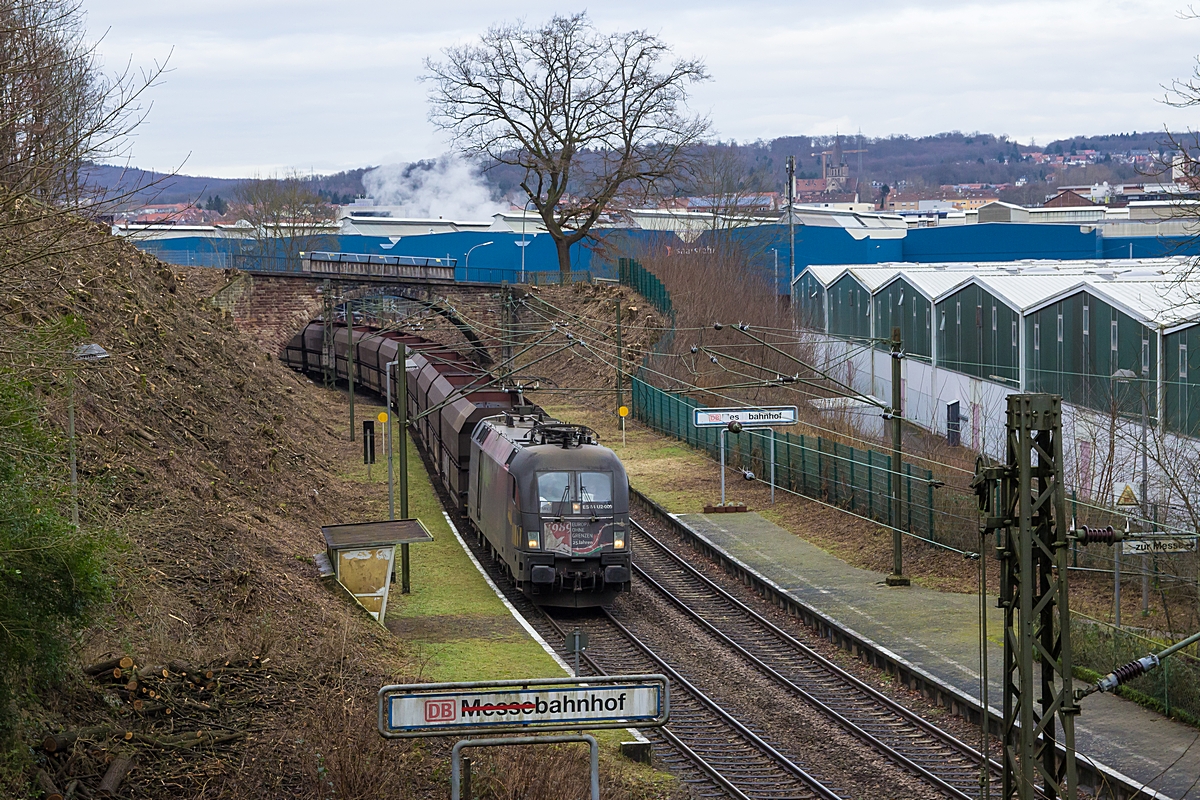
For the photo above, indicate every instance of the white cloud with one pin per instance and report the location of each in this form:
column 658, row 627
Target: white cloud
column 300, row 84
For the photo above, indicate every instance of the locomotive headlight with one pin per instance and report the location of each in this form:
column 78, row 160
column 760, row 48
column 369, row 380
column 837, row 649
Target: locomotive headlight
column 576, row 508
column 534, row 539
column 618, row 540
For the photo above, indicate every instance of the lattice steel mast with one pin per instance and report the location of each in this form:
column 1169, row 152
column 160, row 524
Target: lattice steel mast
column 1026, row 506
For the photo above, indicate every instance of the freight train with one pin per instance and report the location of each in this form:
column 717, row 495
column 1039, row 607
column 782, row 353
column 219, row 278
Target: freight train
column 550, row 502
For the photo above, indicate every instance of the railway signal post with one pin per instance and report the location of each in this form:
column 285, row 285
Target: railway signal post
column 369, row 444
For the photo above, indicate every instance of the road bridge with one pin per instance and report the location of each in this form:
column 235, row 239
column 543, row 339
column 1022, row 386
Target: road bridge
column 278, row 299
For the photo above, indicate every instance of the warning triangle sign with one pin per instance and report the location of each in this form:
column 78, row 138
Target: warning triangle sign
column 1127, row 498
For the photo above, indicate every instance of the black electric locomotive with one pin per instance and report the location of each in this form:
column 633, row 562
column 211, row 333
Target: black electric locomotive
column 554, row 506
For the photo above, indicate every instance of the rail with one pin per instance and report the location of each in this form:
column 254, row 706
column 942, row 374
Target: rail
column 897, row 733
column 749, row 770
column 1103, row 780
column 754, row 768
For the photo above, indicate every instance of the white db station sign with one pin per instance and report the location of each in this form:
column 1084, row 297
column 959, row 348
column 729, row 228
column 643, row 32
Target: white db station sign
column 746, row 417
column 446, row 709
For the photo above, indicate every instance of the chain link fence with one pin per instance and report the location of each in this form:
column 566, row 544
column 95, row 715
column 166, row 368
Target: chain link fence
column 849, row 477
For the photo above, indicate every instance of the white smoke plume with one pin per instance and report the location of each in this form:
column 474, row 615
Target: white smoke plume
column 447, row 186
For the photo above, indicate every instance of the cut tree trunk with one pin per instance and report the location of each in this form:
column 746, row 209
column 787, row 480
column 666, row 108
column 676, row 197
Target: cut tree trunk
column 46, row 784
column 120, row 663
column 117, row 771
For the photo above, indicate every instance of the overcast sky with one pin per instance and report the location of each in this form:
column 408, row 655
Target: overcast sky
column 262, row 85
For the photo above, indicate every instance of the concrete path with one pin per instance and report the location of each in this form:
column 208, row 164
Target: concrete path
column 939, row 632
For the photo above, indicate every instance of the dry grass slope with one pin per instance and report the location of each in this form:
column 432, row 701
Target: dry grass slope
column 215, row 466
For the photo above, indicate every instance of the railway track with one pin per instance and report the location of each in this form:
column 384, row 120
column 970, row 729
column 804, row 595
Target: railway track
column 893, row 731
column 705, row 744
column 705, row 737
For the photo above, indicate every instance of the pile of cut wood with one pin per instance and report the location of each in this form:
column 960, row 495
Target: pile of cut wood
column 170, row 716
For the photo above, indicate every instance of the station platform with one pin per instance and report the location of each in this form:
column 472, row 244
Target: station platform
column 938, row 632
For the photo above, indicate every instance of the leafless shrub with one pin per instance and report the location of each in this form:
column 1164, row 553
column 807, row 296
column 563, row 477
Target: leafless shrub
column 285, row 215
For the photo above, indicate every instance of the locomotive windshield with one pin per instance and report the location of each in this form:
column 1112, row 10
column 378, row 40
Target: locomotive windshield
column 554, row 489
column 574, row 492
column 596, row 489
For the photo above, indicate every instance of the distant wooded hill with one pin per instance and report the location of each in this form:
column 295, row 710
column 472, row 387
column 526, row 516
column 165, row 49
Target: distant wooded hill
column 142, row 187
column 916, row 163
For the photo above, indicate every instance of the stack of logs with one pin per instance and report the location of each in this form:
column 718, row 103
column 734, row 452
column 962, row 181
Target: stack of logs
column 166, row 709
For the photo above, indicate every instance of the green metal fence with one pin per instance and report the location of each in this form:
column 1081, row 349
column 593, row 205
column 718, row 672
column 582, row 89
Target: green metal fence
column 647, row 284
column 849, row 477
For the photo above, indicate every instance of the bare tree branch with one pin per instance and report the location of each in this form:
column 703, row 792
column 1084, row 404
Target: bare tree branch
column 587, row 116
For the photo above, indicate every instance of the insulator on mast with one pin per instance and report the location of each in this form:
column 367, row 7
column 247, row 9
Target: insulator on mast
column 1106, row 535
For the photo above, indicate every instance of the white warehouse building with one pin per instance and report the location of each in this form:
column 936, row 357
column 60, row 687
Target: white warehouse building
column 1116, row 338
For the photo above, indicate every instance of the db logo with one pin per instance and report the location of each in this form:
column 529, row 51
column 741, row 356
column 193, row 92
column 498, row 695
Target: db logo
column 440, row 711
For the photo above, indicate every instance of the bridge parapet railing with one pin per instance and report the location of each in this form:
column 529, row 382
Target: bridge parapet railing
column 356, row 265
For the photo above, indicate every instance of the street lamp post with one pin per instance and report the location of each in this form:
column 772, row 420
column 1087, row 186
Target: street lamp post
column 524, row 244
column 83, row 354
column 775, row 250
column 467, row 260
column 1127, row 376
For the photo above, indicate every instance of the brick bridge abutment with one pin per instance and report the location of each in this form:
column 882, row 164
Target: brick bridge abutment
column 274, row 308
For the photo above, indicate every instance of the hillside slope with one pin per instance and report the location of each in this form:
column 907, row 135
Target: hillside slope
column 212, row 467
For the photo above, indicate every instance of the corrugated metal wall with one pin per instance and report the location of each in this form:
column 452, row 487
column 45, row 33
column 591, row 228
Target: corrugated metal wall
column 1074, row 346
column 849, row 308
column 1182, row 367
column 899, row 305
column 977, row 335
column 808, row 300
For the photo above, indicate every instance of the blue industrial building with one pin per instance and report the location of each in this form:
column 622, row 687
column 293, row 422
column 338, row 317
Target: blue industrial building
column 819, row 240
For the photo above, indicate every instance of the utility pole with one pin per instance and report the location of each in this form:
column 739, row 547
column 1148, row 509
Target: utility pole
column 791, row 204
column 506, row 343
column 350, row 360
column 328, row 362
column 897, row 578
column 1024, row 503
column 1143, row 496
column 620, row 387
column 402, row 374
column 775, row 250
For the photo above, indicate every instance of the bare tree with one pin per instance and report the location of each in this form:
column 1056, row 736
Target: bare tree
column 587, row 116
column 58, row 112
column 735, row 192
column 284, row 215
